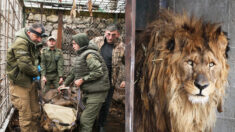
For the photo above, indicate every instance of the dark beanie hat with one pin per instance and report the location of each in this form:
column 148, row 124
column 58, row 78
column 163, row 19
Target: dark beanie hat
column 81, row 39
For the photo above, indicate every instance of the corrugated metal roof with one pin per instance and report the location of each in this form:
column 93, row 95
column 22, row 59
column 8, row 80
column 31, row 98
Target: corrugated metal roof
column 106, row 6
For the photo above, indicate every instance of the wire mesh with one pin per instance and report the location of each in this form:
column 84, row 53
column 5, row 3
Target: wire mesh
column 106, row 6
column 10, row 22
column 67, row 48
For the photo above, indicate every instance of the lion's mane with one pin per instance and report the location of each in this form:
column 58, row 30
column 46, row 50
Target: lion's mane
column 166, row 97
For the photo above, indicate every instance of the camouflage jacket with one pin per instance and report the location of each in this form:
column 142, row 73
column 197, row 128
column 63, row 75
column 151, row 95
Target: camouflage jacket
column 52, row 62
column 89, row 66
column 118, row 60
column 21, row 60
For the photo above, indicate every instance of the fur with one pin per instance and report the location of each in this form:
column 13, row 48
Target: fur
column 176, row 56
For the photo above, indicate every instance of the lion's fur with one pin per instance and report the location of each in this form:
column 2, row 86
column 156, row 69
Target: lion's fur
column 166, row 80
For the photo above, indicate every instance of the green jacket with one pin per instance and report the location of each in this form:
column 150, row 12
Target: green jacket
column 90, row 66
column 52, row 62
column 22, row 60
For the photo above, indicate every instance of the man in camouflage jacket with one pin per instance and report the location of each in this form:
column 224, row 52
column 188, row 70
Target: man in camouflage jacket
column 112, row 50
column 22, row 62
column 52, row 65
column 90, row 73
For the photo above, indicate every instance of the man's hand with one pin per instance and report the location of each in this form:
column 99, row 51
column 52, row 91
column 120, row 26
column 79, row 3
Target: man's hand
column 61, row 80
column 62, row 86
column 44, row 79
column 123, row 84
column 78, row 82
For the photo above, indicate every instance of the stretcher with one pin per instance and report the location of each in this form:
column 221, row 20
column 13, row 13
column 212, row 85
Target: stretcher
column 61, row 110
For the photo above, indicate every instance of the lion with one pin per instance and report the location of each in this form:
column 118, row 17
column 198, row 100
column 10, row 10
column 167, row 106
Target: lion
column 181, row 72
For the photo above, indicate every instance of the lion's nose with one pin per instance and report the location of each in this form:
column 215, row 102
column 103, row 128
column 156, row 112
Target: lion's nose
column 201, row 82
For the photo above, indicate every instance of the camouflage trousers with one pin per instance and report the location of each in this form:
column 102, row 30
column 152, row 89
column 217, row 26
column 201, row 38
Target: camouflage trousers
column 26, row 101
column 93, row 104
column 51, row 83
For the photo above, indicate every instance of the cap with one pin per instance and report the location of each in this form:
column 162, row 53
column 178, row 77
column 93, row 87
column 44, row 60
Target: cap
column 51, row 37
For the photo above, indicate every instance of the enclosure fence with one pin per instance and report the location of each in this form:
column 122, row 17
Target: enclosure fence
column 11, row 19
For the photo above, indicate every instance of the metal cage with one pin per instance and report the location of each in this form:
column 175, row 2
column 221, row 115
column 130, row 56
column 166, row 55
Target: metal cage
column 11, row 18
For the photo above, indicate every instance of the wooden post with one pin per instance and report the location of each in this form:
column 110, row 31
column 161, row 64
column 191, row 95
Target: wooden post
column 60, row 29
column 130, row 64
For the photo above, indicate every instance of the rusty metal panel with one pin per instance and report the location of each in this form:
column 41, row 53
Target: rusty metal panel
column 129, row 63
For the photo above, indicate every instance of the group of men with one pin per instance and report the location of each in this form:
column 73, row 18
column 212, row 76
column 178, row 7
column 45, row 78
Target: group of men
column 97, row 70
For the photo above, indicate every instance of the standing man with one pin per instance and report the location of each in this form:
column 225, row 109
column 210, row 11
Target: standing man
column 52, row 65
column 90, row 73
column 112, row 50
column 21, row 69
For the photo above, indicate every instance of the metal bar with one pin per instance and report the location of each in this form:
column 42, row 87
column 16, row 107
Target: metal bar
column 0, row 19
column 19, row 5
column 60, row 28
column 1, row 15
column 130, row 63
column 41, row 8
column 8, row 18
column 51, row 2
column 13, row 21
column 5, row 124
column 12, row 7
column 7, row 41
column 21, row 2
column 64, row 5
column 18, row 11
column 3, row 101
column 2, row 91
column 6, row 36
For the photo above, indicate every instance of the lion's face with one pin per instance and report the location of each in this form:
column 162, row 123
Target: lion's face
column 182, row 70
column 199, row 72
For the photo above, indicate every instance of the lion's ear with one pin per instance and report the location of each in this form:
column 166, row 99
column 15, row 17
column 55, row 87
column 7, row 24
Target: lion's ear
column 171, row 45
column 222, row 40
column 218, row 31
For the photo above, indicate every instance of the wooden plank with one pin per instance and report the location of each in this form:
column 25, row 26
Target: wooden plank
column 129, row 64
column 59, row 33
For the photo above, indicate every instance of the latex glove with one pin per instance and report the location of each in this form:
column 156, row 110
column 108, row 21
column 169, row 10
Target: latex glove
column 36, row 78
column 39, row 68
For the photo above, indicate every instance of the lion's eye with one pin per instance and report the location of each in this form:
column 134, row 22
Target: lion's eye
column 211, row 64
column 190, row 62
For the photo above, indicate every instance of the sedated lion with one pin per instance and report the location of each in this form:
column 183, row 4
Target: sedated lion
column 181, row 71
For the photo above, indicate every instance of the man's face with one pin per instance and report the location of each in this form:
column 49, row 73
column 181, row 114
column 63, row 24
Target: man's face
column 51, row 43
column 111, row 36
column 76, row 47
column 34, row 37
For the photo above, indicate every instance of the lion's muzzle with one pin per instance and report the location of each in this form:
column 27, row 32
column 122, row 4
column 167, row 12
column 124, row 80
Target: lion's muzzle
column 201, row 82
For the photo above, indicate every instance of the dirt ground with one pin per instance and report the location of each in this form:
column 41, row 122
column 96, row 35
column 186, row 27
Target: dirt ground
column 115, row 120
